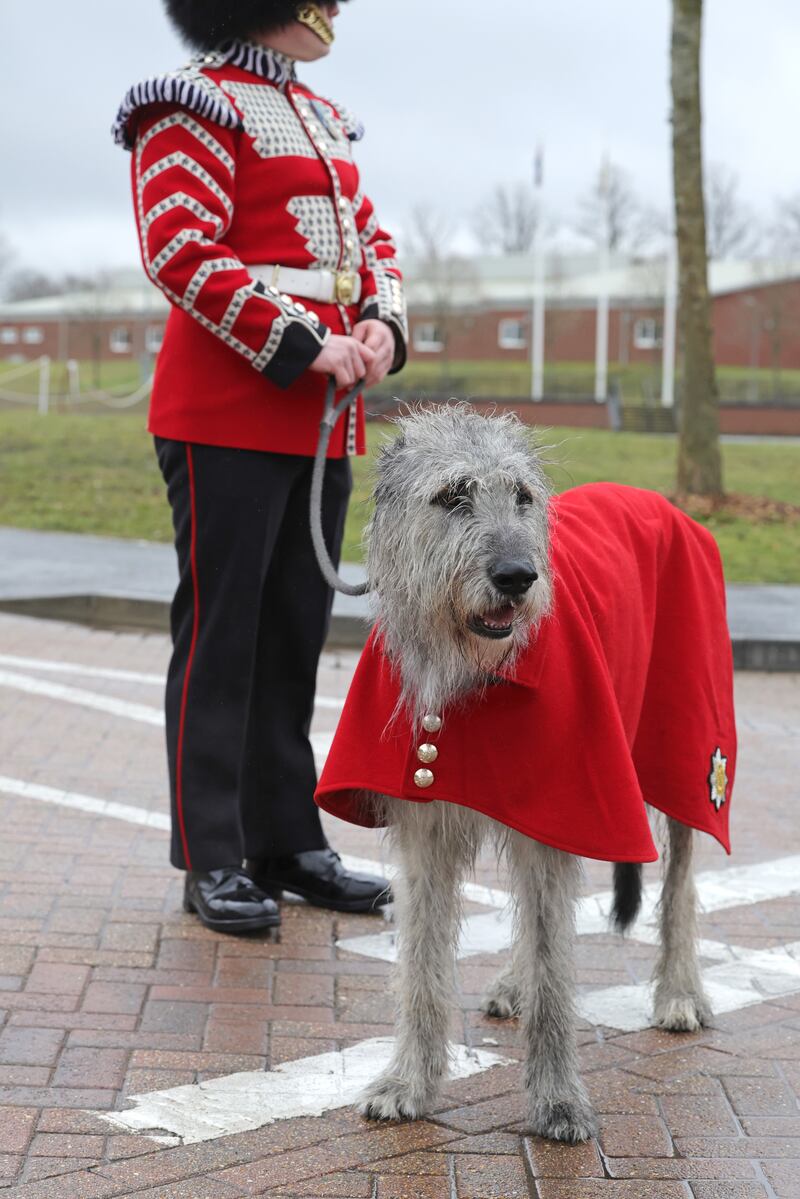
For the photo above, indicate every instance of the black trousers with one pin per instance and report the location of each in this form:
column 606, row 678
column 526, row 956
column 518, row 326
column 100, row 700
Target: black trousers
column 249, row 621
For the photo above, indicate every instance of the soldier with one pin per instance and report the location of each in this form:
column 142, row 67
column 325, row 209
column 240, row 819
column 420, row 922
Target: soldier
column 253, row 223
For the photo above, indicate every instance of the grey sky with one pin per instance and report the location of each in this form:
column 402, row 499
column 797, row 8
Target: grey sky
column 454, row 95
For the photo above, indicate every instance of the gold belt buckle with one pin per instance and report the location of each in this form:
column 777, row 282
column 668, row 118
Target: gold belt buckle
column 345, row 286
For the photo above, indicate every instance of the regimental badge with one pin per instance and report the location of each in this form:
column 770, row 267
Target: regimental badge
column 718, row 779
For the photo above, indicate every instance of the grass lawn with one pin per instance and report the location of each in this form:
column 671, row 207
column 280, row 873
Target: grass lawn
column 90, row 473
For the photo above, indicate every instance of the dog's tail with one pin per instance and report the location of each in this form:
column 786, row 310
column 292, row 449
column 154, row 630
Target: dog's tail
column 627, row 894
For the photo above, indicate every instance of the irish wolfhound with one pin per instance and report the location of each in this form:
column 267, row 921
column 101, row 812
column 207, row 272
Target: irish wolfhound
column 469, row 587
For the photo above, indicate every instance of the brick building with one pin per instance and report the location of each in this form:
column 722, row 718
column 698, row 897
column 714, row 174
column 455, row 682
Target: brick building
column 481, row 309
column 468, row 309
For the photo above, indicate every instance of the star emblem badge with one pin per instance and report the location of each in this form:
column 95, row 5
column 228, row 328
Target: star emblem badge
column 718, row 778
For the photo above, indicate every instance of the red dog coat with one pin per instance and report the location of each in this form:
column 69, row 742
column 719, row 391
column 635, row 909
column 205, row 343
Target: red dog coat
column 623, row 697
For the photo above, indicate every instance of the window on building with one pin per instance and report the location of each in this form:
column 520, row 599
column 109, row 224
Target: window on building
column 8, row 336
column 153, row 337
column 648, row 333
column 511, row 335
column 119, row 341
column 33, row 335
column 428, row 338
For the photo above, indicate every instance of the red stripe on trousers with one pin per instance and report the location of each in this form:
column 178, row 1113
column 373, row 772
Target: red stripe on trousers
column 184, row 696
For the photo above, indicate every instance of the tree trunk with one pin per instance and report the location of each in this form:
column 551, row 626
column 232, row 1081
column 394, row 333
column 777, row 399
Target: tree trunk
column 699, row 462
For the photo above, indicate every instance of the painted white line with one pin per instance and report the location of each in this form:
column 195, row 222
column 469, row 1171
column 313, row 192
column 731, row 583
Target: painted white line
column 76, row 668
column 83, row 803
column 84, row 699
column 308, row 1087
column 717, row 890
column 749, row 977
column 321, row 742
column 741, row 978
column 329, row 701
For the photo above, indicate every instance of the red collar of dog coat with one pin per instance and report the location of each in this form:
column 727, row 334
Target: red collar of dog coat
column 623, row 697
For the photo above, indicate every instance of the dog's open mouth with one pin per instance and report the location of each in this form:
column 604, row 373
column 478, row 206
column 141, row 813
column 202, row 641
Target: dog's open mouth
column 496, row 623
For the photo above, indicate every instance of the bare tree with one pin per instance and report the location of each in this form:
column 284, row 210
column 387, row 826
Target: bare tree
column 429, row 241
column 507, row 220
column 730, row 225
column 6, row 259
column 699, row 459
column 785, row 232
column 609, row 213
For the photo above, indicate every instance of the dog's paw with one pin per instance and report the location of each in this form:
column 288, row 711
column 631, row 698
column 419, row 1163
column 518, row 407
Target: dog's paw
column 570, row 1120
column 501, row 1000
column 390, row 1097
column 682, row 1013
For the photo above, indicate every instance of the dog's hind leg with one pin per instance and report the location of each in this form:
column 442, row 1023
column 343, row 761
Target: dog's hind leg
column 680, row 1002
column 545, row 885
column 502, row 997
column 434, row 848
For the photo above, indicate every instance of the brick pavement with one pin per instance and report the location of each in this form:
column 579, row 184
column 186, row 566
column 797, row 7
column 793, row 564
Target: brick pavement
column 108, row 990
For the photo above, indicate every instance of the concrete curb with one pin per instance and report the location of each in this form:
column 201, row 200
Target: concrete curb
column 348, row 631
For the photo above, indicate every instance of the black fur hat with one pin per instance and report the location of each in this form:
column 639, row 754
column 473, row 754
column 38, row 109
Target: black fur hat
column 205, row 24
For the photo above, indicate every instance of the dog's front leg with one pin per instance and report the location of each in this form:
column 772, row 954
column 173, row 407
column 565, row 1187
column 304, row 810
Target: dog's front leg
column 680, row 1002
column 427, row 912
column 546, row 888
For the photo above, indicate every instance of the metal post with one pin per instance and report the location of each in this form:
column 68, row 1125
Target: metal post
column 44, row 384
column 601, row 343
column 670, row 325
column 73, row 375
column 537, row 314
column 601, row 332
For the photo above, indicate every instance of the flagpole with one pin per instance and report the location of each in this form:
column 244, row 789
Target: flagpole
column 537, row 314
column 601, row 342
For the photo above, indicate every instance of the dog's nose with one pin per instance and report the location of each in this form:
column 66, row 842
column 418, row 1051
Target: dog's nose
column 513, row 576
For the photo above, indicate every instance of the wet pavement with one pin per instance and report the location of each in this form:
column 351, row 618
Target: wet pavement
column 111, row 996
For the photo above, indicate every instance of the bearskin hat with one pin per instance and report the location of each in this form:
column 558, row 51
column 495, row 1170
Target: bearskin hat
column 205, row 24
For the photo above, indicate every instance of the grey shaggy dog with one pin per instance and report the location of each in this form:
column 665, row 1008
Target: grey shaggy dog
column 458, row 556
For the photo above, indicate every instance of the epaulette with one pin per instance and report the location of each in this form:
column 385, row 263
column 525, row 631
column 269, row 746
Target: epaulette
column 350, row 123
column 189, row 88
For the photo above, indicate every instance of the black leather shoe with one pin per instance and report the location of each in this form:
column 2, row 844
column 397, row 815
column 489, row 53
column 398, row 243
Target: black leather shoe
column 228, row 901
column 319, row 877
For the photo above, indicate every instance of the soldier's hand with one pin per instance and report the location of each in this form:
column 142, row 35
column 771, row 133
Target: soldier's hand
column 379, row 338
column 347, row 359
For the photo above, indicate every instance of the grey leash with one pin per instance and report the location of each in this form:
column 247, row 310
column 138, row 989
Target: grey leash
column 332, row 413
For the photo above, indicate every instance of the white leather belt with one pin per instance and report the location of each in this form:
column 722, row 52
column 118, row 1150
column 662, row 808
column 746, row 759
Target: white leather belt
column 324, row 286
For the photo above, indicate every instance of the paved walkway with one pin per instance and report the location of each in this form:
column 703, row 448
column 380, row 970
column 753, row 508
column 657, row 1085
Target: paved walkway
column 141, row 1055
column 114, row 583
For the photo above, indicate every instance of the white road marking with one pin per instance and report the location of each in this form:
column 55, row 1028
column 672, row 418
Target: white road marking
column 90, row 672
column 750, row 976
column 740, row 978
column 717, row 889
column 109, row 703
column 84, row 803
column 320, row 742
column 307, row 1087
column 331, row 702
column 85, row 699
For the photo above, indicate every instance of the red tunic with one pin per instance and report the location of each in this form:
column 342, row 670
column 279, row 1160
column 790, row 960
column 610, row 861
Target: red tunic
column 236, row 165
column 624, row 697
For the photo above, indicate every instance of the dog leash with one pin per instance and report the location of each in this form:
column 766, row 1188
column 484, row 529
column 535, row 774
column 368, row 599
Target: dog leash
column 333, row 411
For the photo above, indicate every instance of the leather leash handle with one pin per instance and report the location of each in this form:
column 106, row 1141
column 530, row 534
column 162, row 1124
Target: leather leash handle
column 332, row 413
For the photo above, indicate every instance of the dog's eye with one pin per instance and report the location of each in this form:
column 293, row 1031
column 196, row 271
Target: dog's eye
column 524, row 497
column 454, row 496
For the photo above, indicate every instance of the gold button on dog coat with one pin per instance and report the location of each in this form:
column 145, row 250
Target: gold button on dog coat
column 623, row 696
